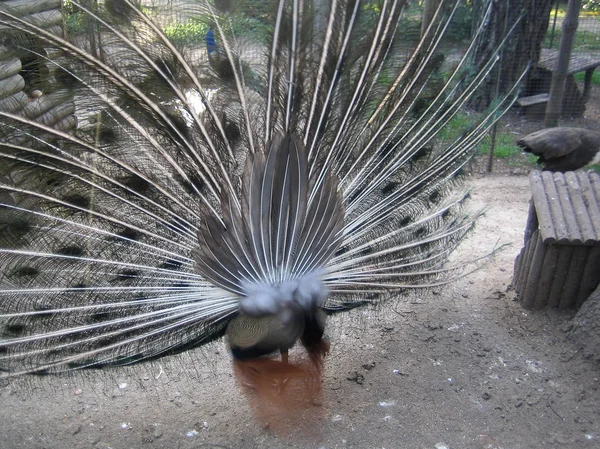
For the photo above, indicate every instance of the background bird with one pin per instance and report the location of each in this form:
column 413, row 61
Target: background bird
column 563, row 149
column 188, row 202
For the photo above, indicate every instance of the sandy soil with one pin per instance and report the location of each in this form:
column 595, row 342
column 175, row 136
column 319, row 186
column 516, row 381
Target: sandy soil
column 464, row 366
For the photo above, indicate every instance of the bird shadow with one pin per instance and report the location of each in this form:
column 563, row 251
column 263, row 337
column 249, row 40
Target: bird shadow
column 286, row 397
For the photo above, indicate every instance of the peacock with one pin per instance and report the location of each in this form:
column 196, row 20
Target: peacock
column 169, row 201
column 563, row 149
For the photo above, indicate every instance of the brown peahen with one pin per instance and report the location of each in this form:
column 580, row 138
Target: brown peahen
column 304, row 174
column 563, row 149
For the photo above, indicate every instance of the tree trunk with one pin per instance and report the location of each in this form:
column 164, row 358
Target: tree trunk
column 524, row 44
column 559, row 75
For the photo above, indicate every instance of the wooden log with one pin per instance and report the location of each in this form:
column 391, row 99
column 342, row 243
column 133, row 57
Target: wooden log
column 68, row 124
column 562, row 268
column 595, row 190
column 517, row 270
column 574, row 276
column 573, row 233
column 533, row 100
column 546, row 277
column 44, row 19
column 524, row 265
column 535, row 269
column 530, row 227
column 542, row 209
column 45, row 103
column 590, row 200
column 56, row 114
column 14, row 103
column 532, row 223
column 11, row 85
column 556, row 219
column 581, row 215
column 10, row 67
column 6, row 53
column 27, row 7
column 590, row 277
column 56, row 29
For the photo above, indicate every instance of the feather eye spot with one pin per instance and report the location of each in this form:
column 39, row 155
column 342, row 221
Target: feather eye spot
column 422, row 153
column 14, row 231
column 23, row 272
column 193, row 184
column 341, row 251
column 389, row 188
column 70, row 250
column 78, row 200
column 136, row 183
column 366, row 251
column 170, row 264
column 435, row 197
column 107, row 135
column 52, row 182
column 232, row 131
column 14, row 330
column 129, row 234
column 99, row 317
column 126, row 275
column 420, row 232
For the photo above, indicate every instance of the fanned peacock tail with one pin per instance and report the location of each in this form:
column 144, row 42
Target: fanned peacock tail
column 297, row 167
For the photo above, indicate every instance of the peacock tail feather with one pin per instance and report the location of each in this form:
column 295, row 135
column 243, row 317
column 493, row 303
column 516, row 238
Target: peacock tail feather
column 298, row 162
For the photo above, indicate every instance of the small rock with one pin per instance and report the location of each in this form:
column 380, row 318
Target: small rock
column 369, row 366
column 387, row 403
column 356, row 377
column 441, row 446
column 486, row 396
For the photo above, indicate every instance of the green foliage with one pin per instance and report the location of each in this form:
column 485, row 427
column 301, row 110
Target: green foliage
column 505, row 146
column 462, row 22
column 580, row 77
column 584, row 40
column 591, row 5
column 458, row 125
column 75, row 22
column 189, row 33
column 458, row 30
column 193, row 32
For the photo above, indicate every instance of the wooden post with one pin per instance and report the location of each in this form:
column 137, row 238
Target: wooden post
column 559, row 75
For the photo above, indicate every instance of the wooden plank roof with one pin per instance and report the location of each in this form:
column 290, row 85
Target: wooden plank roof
column 567, row 206
column 577, row 63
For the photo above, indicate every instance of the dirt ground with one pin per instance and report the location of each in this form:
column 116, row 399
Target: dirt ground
column 463, row 366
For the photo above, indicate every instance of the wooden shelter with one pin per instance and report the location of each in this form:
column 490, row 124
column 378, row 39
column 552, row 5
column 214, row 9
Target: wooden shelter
column 559, row 265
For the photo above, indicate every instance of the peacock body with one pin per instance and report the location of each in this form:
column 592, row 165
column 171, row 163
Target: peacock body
column 176, row 196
